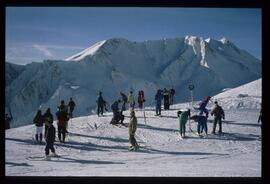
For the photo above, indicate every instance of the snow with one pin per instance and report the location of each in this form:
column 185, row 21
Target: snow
column 103, row 151
column 247, row 96
column 89, row 51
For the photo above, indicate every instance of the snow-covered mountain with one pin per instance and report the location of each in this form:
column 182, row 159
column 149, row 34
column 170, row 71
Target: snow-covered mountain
column 117, row 64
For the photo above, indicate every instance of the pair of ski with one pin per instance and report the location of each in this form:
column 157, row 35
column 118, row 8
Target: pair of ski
column 119, row 125
column 43, row 158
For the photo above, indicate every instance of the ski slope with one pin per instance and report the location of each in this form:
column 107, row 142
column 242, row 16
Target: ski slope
column 104, row 151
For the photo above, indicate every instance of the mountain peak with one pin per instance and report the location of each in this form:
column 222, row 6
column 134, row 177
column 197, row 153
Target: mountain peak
column 89, row 51
column 224, row 40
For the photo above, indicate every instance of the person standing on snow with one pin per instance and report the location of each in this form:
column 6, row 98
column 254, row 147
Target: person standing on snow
column 7, row 121
column 71, row 105
column 38, row 121
column 202, row 123
column 48, row 118
column 260, row 116
column 62, row 117
column 202, row 106
column 50, row 138
column 172, row 92
column 132, row 127
column 100, row 104
column 183, row 117
column 218, row 114
column 140, row 99
column 124, row 101
column 131, row 101
column 158, row 98
column 166, row 99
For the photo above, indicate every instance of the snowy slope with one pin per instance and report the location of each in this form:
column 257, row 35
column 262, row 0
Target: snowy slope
column 247, row 96
column 118, row 65
column 104, row 151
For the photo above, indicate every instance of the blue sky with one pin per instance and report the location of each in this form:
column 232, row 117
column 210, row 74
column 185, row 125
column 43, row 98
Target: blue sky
column 39, row 33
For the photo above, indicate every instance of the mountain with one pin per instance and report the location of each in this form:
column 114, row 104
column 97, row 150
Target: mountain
column 118, row 64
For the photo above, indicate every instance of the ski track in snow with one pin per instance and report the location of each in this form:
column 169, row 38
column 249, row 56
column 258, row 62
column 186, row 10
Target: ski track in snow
column 104, row 151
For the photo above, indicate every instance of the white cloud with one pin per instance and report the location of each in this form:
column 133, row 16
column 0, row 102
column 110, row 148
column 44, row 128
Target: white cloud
column 43, row 49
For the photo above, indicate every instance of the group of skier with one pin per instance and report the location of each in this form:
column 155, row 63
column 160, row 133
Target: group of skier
column 201, row 118
column 63, row 114
column 167, row 96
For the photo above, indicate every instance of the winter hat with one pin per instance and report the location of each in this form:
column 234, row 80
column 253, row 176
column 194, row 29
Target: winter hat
column 216, row 102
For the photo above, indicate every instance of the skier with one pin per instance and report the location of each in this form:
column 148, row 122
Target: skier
column 117, row 116
column 131, row 101
column 202, row 106
column 7, row 121
column 48, row 118
column 172, row 92
column 158, row 98
column 260, row 120
column 183, row 117
column 64, row 107
column 50, row 137
column 141, row 99
column 202, row 123
column 100, row 103
column 166, row 99
column 218, row 114
column 124, row 101
column 62, row 117
column 260, row 116
column 132, row 129
column 71, row 105
column 38, row 121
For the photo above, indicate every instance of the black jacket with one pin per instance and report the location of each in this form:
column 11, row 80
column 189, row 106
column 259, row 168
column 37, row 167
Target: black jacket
column 50, row 136
column 38, row 120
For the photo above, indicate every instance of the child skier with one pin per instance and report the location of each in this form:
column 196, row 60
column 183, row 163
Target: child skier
column 50, row 137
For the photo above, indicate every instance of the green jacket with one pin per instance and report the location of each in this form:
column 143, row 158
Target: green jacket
column 131, row 99
column 184, row 117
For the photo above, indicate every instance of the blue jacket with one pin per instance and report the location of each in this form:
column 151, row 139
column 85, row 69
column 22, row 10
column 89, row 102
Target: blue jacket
column 200, row 119
column 158, row 97
column 203, row 104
